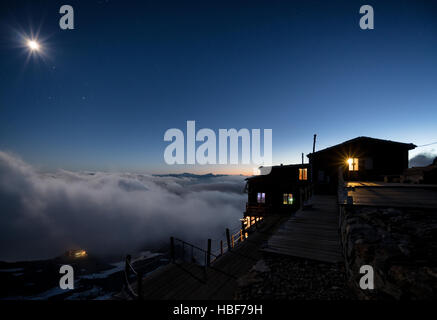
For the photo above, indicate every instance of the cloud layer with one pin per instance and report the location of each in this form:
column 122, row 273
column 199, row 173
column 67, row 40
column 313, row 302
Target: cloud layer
column 42, row 215
column 422, row 160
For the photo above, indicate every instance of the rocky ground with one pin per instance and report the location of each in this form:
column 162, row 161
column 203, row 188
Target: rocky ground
column 401, row 246
column 282, row 277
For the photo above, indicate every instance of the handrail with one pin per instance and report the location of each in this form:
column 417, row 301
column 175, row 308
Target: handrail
column 129, row 268
column 236, row 236
column 194, row 246
column 131, row 292
column 208, row 255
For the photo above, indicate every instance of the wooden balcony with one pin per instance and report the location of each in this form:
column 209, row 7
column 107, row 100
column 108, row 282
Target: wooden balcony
column 257, row 209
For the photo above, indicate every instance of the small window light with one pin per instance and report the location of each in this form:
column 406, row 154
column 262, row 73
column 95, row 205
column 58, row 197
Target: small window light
column 261, row 197
column 288, row 198
column 303, row 174
column 353, row 164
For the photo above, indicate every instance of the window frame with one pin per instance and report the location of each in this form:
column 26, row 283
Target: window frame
column 261, row 197
column 303, row 174
column 354, row 165
column 286, row 197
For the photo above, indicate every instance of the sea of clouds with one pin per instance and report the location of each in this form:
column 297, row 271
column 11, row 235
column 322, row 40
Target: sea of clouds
column 44, row 214
column 422, row 159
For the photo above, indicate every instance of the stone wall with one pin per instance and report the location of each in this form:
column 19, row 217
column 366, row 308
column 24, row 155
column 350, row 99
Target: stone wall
column 400, row 245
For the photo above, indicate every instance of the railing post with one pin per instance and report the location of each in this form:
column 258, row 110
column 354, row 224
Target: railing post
column 172, row 250
column 221, row 247
column 126, row 267
column 140, row 285
column 232, row 241
column 208, row 257
column 228, row 239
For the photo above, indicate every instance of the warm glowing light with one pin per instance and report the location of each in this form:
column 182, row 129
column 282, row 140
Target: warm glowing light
column 303, row 174
column 33, row 45
column 77, row 253
column 353, row 164
column 80, row 254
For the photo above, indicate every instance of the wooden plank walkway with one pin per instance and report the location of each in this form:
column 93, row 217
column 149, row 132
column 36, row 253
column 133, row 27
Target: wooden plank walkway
column 311, row 233
column 186, row 281
column 393, row 195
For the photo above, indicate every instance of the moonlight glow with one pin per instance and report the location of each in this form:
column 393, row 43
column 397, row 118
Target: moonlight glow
column 33, row 45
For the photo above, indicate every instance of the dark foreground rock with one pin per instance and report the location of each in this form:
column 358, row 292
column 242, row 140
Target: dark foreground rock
column 400, row 244
column 283, row 277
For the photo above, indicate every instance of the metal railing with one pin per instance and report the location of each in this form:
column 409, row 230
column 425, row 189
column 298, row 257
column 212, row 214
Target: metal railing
column 258, row 208
column 128, row 272
column 182, row 251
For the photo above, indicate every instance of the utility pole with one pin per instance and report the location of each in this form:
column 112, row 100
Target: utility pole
column 311, row 162
column 314, row 143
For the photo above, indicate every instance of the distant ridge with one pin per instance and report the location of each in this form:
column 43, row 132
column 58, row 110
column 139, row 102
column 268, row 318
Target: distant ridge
column 190, row 175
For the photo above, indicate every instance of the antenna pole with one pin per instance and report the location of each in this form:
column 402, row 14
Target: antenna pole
column 314, row 143
column 311, row 162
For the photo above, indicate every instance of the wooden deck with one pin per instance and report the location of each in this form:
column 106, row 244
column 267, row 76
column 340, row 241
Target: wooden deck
column 393, row 195
column 311, row 233
column 187, row 281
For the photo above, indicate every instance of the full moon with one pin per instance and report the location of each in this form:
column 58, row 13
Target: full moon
column 33, row 45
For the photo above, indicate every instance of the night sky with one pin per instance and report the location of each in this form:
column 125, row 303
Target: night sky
column 101, row 97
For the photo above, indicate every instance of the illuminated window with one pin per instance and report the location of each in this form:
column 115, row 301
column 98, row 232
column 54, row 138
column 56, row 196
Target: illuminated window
column 261, row 197
column 303, row 173
column 288, row 198
column 353, row 164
